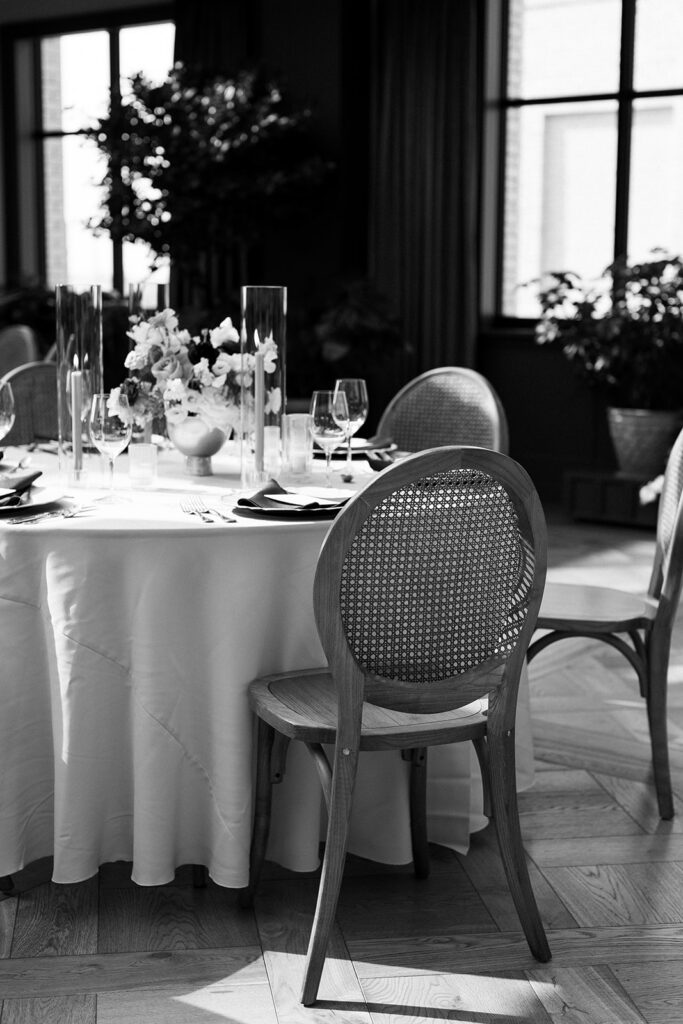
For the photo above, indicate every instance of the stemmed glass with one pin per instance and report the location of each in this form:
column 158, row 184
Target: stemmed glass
column 109, row 432
column 7, row 413
column 329, row 413
column 356, row 393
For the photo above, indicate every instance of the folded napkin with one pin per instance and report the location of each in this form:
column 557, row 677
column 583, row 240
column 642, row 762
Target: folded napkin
column 273, row 496
column 13, row 486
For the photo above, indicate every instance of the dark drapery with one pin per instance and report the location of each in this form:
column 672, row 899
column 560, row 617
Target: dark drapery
column 215, row 36
column 425, row 173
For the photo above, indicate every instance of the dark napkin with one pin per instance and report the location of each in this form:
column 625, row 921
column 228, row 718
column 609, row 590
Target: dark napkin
column 19, row 484
column 261, row 499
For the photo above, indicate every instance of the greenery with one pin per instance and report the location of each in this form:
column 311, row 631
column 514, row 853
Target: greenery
column 623, row 334
column 197, row 165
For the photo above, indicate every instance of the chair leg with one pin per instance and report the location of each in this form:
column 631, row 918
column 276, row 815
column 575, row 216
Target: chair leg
column 262, row 808
column 656, row 715
column 418, row 812
column 332, row 871
column 483, row 758
column 503, row 793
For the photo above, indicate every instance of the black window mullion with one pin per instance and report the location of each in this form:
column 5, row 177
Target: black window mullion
column 624, row 127
column 115, row 88
column 39, row 152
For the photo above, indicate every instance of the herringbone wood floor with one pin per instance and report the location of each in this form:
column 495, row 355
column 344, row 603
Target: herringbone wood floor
column 607, row 872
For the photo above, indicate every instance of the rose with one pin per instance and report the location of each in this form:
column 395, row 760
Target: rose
column 170, row 366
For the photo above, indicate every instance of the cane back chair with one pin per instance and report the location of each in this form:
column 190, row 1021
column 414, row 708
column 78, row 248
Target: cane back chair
column 637, row 625
column 18, row 345
column 34, row 386
column 425, row 595
column 448, row 405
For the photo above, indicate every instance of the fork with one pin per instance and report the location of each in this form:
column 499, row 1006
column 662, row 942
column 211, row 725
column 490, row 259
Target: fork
column 195, row 506
column 191, row 507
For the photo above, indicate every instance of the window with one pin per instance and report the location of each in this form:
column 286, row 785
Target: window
column 593, row 114
column 55, row 170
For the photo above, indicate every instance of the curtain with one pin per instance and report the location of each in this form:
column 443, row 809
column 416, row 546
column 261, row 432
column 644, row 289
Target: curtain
column 214, row 36
column 425, row 170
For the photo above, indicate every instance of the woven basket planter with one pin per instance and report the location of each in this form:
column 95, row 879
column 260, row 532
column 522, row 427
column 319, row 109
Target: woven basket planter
column 642, row 439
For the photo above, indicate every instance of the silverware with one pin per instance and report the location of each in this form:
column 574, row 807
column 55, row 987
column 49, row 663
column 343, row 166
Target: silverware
column 196, row 507
column 54, row 513
column 190, row 507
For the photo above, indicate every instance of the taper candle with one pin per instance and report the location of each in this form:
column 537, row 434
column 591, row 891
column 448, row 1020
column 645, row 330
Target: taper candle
column 259, row 405
column 76, row 427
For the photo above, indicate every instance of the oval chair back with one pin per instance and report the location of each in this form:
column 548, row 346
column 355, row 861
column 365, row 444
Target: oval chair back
column 445, row 406
column 18, row 345
column 35, row 400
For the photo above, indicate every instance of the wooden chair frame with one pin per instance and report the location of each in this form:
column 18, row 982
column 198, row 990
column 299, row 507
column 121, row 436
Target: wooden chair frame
column 355, row 709
column 638, row 626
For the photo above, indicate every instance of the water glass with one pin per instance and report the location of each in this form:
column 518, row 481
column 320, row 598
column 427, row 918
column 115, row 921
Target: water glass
column 142, row 465
column 298, row 442
column 7, row 411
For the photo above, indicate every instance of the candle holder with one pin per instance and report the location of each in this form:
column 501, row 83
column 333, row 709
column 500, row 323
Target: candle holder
column 78, row 315
column 263, row 344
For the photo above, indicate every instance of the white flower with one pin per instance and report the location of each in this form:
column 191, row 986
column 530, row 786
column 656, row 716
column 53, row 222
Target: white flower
column 223, row 333
column 274, row 401
column 202, row 373
column 269, row 350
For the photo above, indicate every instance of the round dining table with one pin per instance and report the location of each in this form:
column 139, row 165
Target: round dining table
column 129, row 634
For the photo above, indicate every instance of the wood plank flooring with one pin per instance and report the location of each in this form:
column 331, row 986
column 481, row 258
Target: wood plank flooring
column 607, row 872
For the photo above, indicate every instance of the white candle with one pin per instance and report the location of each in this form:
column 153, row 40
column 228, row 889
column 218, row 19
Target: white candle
column 76, row 428
column 259, row 407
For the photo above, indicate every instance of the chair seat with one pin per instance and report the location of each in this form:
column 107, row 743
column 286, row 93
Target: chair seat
column 303, row 706
column 597, row 609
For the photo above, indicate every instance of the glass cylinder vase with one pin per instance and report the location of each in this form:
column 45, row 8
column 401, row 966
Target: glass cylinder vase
column 263, row 346
column 78, row 315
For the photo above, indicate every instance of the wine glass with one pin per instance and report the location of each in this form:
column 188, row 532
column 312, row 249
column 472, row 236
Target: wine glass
column 7, row 413
column 356, row 393
column 329, row 415
column 108, row 431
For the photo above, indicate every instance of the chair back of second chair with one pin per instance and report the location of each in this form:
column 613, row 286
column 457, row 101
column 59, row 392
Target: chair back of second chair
column 18, row 345
column 445, row 406
column 35, row 401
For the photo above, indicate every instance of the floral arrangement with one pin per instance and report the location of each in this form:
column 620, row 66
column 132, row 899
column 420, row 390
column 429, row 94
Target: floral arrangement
column 175, row 375
column 623, row 333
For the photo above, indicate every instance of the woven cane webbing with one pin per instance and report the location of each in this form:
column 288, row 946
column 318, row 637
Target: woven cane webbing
column 35, row 400
column 437, row 579
column 444, row 408
column 671, row 493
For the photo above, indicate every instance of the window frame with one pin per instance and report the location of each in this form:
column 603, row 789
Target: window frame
column 23, row 198
column 497, row 105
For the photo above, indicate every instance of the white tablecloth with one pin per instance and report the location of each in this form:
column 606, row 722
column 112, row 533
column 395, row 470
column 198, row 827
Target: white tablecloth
column 128, row 638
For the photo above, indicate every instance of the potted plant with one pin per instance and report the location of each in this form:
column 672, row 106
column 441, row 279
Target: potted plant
column 202, row 168
column 624, row 335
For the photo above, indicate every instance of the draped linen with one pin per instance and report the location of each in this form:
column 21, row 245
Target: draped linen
column 425, row 170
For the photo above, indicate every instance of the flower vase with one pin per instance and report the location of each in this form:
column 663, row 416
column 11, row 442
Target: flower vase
column 198, row 442
column 263, row 346
column 78, row 322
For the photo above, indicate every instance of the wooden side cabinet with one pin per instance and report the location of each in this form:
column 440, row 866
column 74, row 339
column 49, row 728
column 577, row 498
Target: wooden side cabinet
column 607, row 497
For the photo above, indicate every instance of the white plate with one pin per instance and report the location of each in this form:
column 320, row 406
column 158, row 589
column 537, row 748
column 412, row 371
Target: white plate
column 39, row 497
